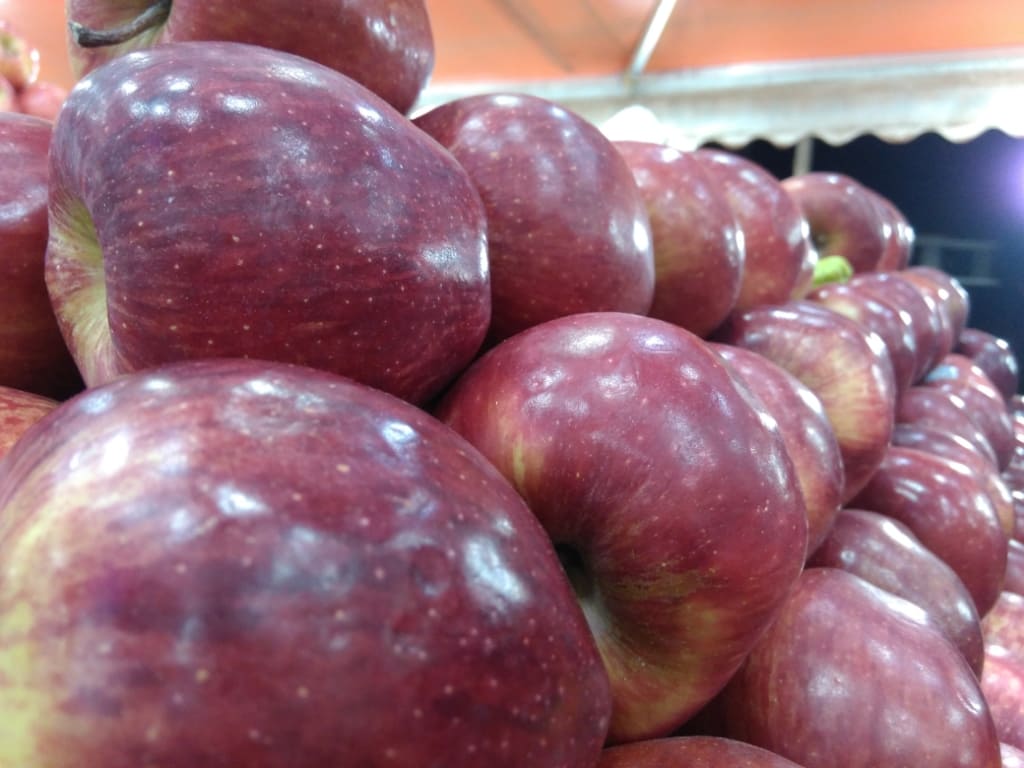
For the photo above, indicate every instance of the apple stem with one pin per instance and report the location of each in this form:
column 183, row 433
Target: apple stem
column 99, row 38
column 832, row 269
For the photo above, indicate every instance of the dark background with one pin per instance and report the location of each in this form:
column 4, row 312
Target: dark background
column 968, row 197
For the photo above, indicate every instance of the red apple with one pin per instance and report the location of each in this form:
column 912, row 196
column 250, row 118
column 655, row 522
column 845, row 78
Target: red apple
column 691, row 752
column 567, row 227
column 779, row 261
column 839, row 361
column 33, row 355
column 956, row 448
column 385, row 45
column 806, row 430
column 892, row 326
column 947, row 508
column 664, row 484
column 1004, row 624
column 19, row 410
column 931, row 343
column 1002, row 682
column 19, row 59
column 1012, row 757
column 851, row 676
column 252, row 564
column 994, row 356
column 940, row 409
column 1014, row 579
column 698, row 246
column 843, row 217
column 948, row 292
column 899, row 244
column 886, row 553
column 237, row 201
column 985, row 405
column 42, row 99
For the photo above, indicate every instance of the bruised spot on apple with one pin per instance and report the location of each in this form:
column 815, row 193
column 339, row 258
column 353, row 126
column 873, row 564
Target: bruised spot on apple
column 616, row 428
column 225, row 200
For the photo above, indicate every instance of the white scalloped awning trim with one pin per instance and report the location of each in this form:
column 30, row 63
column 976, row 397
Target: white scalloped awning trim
column 956, row 94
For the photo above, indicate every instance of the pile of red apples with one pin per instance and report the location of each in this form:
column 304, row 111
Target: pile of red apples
column 338, row 433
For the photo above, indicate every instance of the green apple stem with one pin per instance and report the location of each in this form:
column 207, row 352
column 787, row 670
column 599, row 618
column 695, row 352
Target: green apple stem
column 154, row 15
column 832, row 269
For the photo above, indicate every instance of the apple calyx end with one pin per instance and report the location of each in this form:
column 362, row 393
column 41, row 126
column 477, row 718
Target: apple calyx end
column 154, row 15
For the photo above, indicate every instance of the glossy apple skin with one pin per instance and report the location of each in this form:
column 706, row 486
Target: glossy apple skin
column 1003, row 685
column 1004, row 624
column 33, row 355
column 956, row 448
column 933, row 341
column 245, row 563
column 899, row 244
column 851, row 676
column 950, row 294
column 386, row 46
column 615, row 428
column 568, row 230
column 1012, row 757
column 691, row 752
column 779, row 260
column 948, row 510
column 937, row 408
column 19, row 410
column 842, row 215
column 994, row 356
column 806, row 431
column 886, row 553
column 698, row 246
column 984, row 404
column 845, row 365
column 260, row 206
column 892, row 326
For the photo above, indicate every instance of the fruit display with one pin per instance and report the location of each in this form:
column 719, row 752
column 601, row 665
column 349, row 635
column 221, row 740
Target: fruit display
column 337, row 435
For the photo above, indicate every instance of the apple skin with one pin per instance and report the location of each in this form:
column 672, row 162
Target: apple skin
column 842, row 215
column 615, row 428
column 33, row 355
column 1002, row 682
column 899, row 244
column 698, row 246
column 929, row 333
column 994, row 356
column 779, row 259
column 886, row 553
column 1014, row 579
column 691, row 752
column 42, row 99
column 948, row 292
column 880, row 317
column 387, row 47
column 1004, row 624
column 956, row 448
column 985, row 404
column 229, row 540
column 19, row 410
column 947, row 508
column 851, row 676
column 261, row 206
column 845, row 365
column 806, row 430
column 1012, row 757
column 940, row 409
column 568, row 230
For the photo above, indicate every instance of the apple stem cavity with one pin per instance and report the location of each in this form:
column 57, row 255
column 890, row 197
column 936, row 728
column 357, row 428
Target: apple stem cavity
column 575, row 568
column 153, row 16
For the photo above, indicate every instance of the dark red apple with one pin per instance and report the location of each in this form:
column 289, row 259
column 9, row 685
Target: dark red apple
column 664, row 484
column 567, row 227
column 931, row 343
column 851, row 676
column 843, row 217
column 386, row 45
column 698, row 246
column 994, row 356
column 33, row 355
column 845, row 365
column 19, row 410
column 899, row 244
column 691, row 752
column 779, row 261
column 948, row 292
column 236, row 201
column 886, row 553
column 940, row 409
column 806, row 430
column 892, row 326
column 947, row 508
column 252, row 564
column 1002, row 682
column 984, row 404
column 957, row 448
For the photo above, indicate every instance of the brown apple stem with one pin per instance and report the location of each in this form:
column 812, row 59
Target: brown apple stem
column 98, row 38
